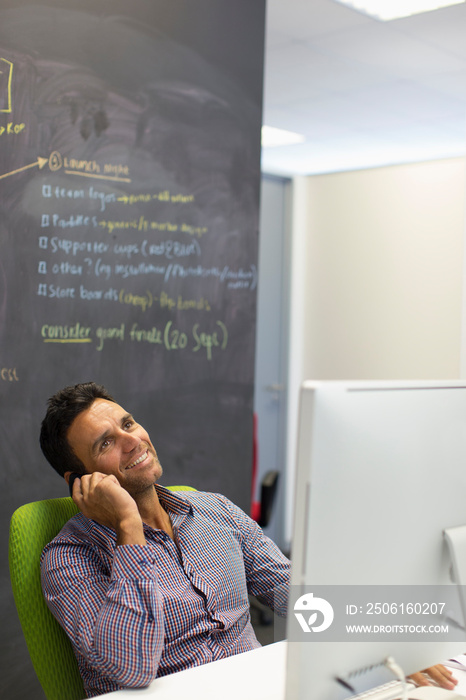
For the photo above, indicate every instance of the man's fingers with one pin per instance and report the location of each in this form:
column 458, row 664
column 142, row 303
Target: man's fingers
column 438, row 674
column 419, row 679
column 442, row 676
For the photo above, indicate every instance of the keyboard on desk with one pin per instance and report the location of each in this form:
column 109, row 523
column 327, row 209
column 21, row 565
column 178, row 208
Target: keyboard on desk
column 393, row 690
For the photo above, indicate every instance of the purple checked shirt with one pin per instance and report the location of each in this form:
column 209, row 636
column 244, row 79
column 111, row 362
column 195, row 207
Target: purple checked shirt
column 135, row 612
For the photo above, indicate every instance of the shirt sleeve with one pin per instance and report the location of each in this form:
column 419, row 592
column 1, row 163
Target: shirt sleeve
column 267, row 568
column 113, row 618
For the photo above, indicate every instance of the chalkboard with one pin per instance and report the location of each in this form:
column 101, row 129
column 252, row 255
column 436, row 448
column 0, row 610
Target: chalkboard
column 129, row 199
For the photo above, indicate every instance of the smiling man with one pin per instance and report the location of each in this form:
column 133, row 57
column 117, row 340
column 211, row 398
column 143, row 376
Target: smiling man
column 145, row 581
column 109, row 443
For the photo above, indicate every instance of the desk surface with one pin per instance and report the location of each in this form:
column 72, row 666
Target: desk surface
column 254, row 675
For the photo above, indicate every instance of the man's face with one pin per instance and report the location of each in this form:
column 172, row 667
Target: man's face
column 108, row 440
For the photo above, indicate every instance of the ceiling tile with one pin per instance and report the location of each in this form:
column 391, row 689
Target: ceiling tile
column 363, row 91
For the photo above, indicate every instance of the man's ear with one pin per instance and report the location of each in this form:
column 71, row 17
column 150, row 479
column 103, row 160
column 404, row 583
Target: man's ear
column 66, row 476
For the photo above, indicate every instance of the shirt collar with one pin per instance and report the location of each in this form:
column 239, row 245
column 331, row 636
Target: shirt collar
column 173, row 500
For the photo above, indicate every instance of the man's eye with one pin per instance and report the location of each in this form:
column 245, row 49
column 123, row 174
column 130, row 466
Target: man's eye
column 105, row 444
column 129, row 424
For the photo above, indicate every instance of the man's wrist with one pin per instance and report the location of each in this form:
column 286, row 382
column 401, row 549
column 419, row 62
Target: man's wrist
column 130, row 531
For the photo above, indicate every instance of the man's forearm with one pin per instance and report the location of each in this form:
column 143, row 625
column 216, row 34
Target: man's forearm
column 114, row 620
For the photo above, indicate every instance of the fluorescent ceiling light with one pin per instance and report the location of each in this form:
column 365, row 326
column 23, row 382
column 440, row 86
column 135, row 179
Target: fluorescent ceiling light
column 272, row 137
column 393, row 9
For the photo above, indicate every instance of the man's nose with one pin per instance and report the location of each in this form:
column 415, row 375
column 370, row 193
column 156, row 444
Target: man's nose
column 129, row 441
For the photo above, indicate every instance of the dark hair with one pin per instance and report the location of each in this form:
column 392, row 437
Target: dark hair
column 63, row 408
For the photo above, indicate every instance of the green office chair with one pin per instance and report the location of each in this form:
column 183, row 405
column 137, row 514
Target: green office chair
column 32, row 527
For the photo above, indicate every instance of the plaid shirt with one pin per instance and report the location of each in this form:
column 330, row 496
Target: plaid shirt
column 135, row 612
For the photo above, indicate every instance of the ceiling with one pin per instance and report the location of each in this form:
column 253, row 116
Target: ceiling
column 364, row 93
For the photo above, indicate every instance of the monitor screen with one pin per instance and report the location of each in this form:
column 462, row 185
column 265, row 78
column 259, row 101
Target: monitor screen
column 381, row 473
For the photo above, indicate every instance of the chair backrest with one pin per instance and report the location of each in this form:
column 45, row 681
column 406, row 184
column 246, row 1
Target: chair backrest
column 33, row 526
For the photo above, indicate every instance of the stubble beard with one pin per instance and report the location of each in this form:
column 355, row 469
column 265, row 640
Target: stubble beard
column 142, row 483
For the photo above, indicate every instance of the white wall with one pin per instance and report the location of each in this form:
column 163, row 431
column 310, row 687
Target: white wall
column 384, row 272
column 377, row 276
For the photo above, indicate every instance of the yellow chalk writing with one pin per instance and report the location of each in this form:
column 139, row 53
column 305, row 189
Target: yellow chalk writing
column 104, row 334
column 153, row 335
column 140, row 224
column 194, row 230
column 164, row 196
column 171, row 338
column 110, row 169
column 6, row 77
column 217, row 339
column 9, row 374
column 87, row 166
column 163, row 226
column 112, row 226
column 75, row 333
column 144, row 301
column 166, row 301
column 12, row 128
column 192, row 304
column 184, row 199
column 134, row 198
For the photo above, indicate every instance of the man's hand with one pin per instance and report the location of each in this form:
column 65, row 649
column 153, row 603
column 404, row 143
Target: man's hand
column 440, row 676
column 100, row 497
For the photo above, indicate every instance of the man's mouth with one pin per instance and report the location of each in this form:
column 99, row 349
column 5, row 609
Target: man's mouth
column 137, row 461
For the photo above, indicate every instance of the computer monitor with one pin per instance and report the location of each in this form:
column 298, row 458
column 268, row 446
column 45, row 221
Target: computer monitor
column 381, row 472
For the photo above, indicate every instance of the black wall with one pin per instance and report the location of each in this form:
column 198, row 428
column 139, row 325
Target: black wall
column 129, row 192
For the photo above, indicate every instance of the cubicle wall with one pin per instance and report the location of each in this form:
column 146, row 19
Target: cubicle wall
column 271, row 382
